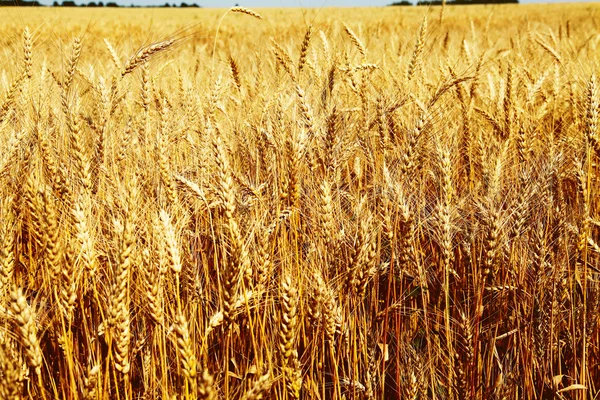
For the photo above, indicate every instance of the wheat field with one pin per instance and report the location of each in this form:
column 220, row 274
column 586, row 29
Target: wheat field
column 386, row 203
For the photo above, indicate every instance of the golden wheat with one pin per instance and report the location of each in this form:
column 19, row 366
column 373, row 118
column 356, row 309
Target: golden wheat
column 406, row 208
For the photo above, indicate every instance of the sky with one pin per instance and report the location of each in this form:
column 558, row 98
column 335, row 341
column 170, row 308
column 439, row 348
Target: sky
column 270, row 3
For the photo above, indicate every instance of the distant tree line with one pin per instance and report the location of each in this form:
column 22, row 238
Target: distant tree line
column 453, row 2
column 68, row 3
column 19, row 3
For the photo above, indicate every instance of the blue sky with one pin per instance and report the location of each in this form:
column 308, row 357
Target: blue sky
column 270, row 3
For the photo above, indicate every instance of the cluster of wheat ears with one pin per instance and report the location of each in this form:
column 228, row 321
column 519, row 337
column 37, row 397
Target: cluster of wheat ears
column 327, row 215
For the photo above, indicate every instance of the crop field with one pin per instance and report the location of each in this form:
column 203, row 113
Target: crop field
column 386, row 203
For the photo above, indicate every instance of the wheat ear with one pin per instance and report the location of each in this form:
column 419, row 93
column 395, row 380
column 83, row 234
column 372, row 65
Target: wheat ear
column 287, row 336
column 27, row 53
column 236, row 9
column 304, row 49
column 186, row 352
column 11, row 387
column 24, row 317
column 246, row 11
column 257, row 391
column 206, row 389
column 145, row 54
column 356, row 41
column 7, row 245
column 415, row 60
column 113, row 53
